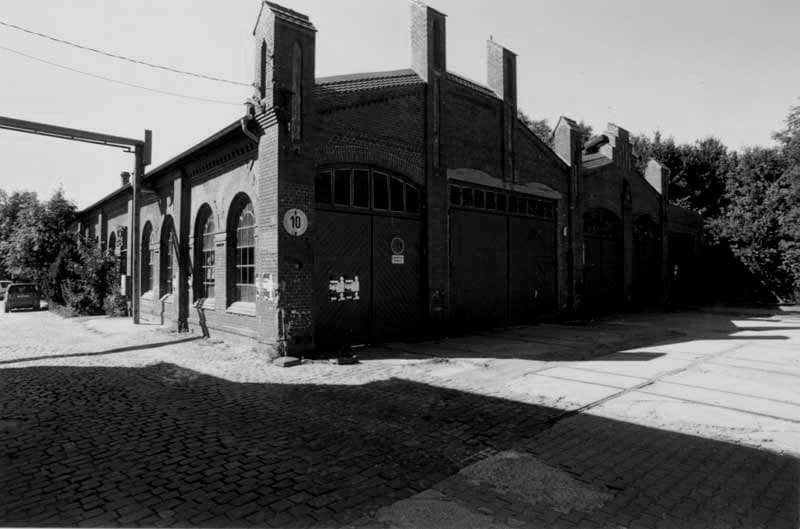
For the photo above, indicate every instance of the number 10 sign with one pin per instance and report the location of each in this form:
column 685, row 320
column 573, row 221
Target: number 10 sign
column 295, row 222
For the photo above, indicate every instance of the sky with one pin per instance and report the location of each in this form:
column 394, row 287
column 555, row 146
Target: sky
column 690, row 68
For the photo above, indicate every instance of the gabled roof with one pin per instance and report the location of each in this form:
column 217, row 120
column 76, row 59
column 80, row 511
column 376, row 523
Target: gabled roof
column 285, row 14
column 367, row 81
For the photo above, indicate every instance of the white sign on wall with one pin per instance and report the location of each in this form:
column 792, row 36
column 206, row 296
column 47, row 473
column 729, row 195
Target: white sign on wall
column 295, row 222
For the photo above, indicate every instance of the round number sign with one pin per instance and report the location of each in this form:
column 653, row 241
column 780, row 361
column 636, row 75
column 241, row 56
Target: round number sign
column 295, row 222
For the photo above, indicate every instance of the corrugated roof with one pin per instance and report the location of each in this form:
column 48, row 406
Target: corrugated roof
column 595, row 159
column 367, row 81
column 463, row 81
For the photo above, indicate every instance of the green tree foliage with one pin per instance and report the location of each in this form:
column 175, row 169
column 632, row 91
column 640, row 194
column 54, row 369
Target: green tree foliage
column 761, row 217
column 540, row 127
column 37, row 233
column 697, row 170
column 89, row 276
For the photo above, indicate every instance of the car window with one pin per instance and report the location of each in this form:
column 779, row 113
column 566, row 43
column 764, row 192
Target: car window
column 22, row 289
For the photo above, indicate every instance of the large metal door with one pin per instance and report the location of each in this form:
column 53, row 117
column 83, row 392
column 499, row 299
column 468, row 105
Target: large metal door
column 646, row 262
column 532, row 268
column 368, row 257
column 342, row 253
column 602, row 270
column 479, row 274
column 397, row 277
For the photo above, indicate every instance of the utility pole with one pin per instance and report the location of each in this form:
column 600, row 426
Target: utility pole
column 142, row 151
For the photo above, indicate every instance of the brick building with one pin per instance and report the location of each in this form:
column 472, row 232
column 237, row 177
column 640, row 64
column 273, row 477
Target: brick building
column 376, row 206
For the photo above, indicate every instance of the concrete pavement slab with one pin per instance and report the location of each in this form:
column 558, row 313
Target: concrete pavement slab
column 741, row 381
column 702, row 419
column 557, row 393
column 592, row 377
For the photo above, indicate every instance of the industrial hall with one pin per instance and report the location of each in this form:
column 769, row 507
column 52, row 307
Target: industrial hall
column 393, row 205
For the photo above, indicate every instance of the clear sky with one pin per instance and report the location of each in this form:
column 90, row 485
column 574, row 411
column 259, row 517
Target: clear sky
column 691, row 68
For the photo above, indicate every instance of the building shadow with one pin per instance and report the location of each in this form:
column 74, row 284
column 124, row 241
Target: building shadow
column 163, row 445
column 618, row 337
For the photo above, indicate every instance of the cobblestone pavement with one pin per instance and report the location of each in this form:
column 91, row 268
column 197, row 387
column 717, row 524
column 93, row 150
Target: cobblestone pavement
column 105, row 425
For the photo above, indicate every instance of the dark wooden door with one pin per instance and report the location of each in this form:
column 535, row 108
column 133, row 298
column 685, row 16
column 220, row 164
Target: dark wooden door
column 342, row 252
column 479, row 271
column 397, row 277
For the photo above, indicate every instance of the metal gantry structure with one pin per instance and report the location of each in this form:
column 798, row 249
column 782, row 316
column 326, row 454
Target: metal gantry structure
column 142, row 151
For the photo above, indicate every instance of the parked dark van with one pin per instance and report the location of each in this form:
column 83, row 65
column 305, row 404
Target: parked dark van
column 22, row 296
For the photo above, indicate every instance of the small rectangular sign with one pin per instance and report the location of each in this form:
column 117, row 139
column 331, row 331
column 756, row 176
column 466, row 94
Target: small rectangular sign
column 398, row 259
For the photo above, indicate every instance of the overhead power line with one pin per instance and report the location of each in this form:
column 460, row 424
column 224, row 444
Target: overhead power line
column 122, row 57
column 117, row 81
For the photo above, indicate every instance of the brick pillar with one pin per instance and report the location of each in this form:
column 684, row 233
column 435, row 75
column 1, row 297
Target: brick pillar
column 658, row 177
column 568, row 144
column 502, row 78
column 182, row 262
column 627, row 242
column 429, row 60
column 285, row 77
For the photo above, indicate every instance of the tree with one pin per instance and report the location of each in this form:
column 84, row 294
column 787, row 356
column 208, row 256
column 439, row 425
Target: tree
column 540, row 127
column 789, row 137
column 697, row 170
column 38, row 232
column 760, row 219
column 586, row 131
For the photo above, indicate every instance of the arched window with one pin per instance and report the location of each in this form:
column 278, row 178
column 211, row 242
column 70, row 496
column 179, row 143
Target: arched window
column 112, row 243
column 167, row 255
column 147, row 259
column 243, row 238
column 204, row 254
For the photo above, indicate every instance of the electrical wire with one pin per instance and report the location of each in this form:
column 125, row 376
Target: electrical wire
column 117, row 81
column 122, row 57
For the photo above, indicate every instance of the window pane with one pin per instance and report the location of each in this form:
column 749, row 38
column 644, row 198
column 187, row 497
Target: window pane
column 490, row 202
column 380, row 189
column 341, row 187
column 398, row 199
column 361, row 188
column 531, row 207
column 322, row 188
column 466, row 196
column 412, row 199
column 455, row 195
column 245, row 256
column 478, row 199
column 501, row 202
column 512, row 204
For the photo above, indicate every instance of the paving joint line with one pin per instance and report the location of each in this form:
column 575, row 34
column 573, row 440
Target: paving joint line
column 582, row 409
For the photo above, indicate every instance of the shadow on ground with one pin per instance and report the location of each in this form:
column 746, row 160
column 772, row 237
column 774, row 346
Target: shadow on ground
column 166, row 446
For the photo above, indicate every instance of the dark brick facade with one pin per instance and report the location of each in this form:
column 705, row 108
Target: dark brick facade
column 424, row 125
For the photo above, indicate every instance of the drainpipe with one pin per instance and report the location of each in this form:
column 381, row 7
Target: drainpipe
column 247, row 118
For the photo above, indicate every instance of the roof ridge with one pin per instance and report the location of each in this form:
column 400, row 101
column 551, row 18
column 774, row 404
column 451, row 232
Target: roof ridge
column 362, row 76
